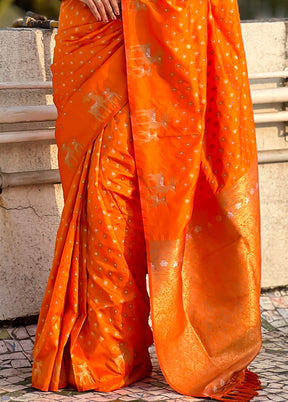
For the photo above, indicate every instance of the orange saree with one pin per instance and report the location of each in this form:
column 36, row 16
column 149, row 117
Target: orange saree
column 158, row 162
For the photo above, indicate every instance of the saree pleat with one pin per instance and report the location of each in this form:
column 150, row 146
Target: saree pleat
column 97, row 330
column 158, row 162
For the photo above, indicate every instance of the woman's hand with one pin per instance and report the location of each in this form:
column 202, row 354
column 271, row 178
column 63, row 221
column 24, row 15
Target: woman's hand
column 103, row 9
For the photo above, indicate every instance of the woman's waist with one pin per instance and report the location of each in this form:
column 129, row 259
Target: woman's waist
column 84, row 48
column 78, row 28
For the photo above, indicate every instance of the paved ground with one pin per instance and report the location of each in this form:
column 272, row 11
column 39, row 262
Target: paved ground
column 272, row 365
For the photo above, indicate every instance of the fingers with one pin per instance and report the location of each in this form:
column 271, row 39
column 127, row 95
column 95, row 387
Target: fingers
column 103, row 9
column 114, row 4
column 93, row 8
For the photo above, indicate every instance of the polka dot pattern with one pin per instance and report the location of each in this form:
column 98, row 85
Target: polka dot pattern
column 102, row 269
column 158, row 162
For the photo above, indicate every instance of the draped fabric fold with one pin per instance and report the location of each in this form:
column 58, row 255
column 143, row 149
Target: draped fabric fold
column 158, row 162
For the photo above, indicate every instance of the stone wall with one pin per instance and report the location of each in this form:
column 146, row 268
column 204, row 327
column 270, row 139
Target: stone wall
column 266, row 50
column 29, row 215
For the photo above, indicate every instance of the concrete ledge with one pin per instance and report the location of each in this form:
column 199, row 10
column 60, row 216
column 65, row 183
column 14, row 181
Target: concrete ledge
column 29, row 216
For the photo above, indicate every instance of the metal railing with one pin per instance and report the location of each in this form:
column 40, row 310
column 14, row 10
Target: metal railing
column 51, row 176
column 24, row 114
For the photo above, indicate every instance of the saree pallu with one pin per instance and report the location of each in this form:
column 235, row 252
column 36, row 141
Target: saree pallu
column 158, row 161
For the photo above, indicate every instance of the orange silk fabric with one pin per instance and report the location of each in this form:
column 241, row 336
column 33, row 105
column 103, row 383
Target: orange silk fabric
column 158, row 162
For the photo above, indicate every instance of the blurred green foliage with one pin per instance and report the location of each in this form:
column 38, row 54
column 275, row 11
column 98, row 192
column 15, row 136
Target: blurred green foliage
column 260, row 9
column 4, row 5
column 50, row 8
column 12, row 9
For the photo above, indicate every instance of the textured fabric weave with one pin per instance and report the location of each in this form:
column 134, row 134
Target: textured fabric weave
column 158, row 162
